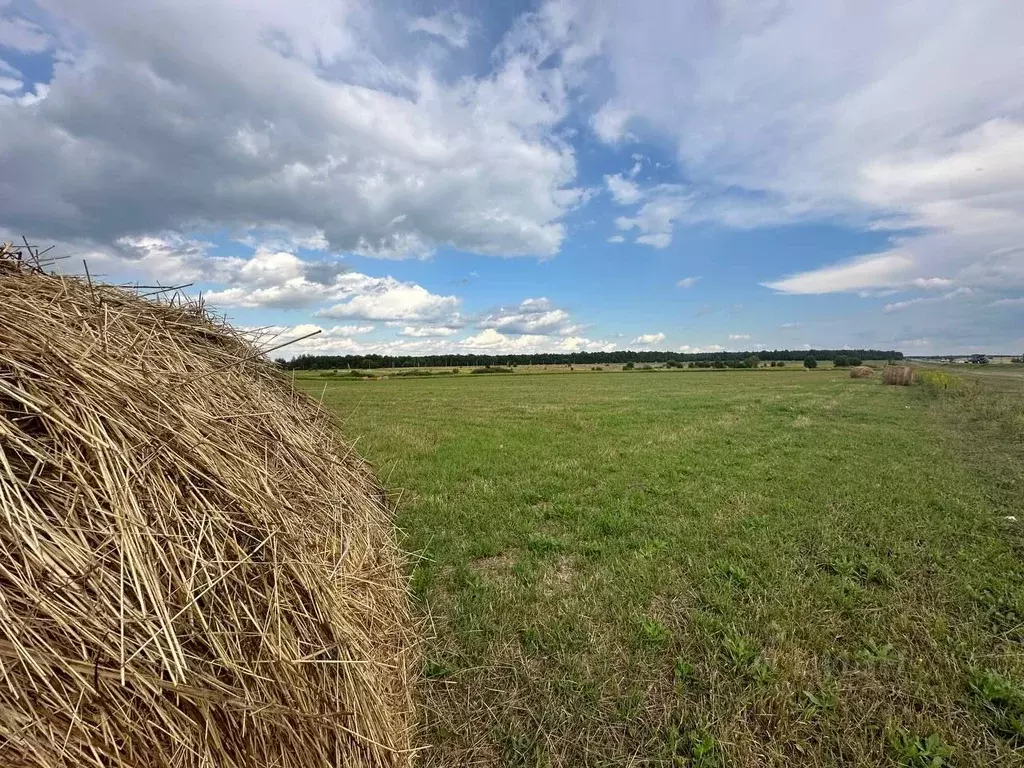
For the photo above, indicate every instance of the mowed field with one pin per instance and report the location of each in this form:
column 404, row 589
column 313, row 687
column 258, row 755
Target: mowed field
column 743, row 568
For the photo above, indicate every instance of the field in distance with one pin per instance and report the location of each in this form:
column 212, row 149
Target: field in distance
column 742, row 568
column 578, row 368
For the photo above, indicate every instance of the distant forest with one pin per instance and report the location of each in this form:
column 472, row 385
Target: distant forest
column 330, row 362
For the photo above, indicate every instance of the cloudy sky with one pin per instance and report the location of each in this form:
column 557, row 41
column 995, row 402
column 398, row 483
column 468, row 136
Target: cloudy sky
column 414, row 177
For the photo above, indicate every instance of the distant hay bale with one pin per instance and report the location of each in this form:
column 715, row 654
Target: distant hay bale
column 860, row 372
column 194, row 569
column 898, row 375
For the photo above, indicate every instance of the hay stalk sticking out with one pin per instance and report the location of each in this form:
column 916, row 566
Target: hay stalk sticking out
column 898, row 375
column 194, row 569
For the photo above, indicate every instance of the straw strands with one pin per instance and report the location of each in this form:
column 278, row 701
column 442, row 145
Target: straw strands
column 194, row 569
column 860, row 372
column 898, row 375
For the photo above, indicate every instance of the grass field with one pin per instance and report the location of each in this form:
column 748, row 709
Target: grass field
column 705, row 569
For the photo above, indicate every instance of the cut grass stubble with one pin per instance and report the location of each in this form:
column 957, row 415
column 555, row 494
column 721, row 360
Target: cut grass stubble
column 709, row 569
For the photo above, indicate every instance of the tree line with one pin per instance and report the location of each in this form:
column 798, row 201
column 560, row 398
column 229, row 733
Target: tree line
column 327, row 362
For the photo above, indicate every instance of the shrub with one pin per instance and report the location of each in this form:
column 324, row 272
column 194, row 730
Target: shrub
column 628, row 367
column 752, row 362
column 492, row 369
column 810, row 362
column 782, row 363
column 937, row 381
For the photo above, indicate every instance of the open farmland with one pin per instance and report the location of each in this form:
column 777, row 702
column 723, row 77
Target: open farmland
column 706, row 568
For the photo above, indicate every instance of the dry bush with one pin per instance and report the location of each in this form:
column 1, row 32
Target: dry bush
column 194, row 569
column 860, row 372
column 898, row 375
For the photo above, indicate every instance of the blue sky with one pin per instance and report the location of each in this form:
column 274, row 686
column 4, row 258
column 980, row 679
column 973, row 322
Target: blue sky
column 418, row 177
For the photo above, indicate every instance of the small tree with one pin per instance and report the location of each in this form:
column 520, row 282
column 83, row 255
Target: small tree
column 753, row 361
column 782, row 364
column 810, row 362
column 628, row 367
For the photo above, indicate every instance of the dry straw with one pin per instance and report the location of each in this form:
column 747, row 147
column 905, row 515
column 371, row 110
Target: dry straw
column 194, row 569
column 860, row 372
column 898, row 375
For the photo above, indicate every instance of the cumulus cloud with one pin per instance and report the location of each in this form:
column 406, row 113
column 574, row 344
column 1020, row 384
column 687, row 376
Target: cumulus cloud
column 774, row 124
column 622, row 190
column 657, row 217
column 532, row 316
column 609, row 123
column 303, row 116
column 385, row 298
column 698, row 349
column 282, row 280
column 687, row 282
column 426, row 331
column 649, row 338
column 492, row 341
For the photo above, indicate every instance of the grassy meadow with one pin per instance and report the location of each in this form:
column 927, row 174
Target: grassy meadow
column 749, row 568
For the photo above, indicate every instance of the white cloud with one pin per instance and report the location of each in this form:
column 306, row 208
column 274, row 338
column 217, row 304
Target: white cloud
column 388, row 299
column 450, row 26
column 9, row 84
column 532, row 316
column 657, row 217
column 609, row 123
column 616, row 239
column 936, row 283
column 317, row 116
column 282, row 280
column 494, row 342
column 687, row 282
column 425, row 331
column 775, row 123
column 698, row 349
column 1018, row 302
column 22, row 35
column 623, row 191
column 739, row 337
column 865, row 272
column 901, row 305
column 649, row 338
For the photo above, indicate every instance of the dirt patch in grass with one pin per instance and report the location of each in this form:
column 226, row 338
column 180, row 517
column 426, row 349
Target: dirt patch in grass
column 560, row 577
column 494, row 565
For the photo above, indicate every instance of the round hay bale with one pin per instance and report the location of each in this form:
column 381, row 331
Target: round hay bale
column 195, row 569
column 898, row 375
column 860, row 372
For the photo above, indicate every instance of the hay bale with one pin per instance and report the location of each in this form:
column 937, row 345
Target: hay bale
column 898, row 375
column 194, row 569
column 860, row 372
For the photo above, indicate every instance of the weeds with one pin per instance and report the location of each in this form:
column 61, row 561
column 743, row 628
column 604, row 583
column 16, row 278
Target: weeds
column 913, row 751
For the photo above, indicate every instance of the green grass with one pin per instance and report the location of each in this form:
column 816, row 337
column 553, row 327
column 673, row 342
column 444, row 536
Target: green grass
column 726, row 568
